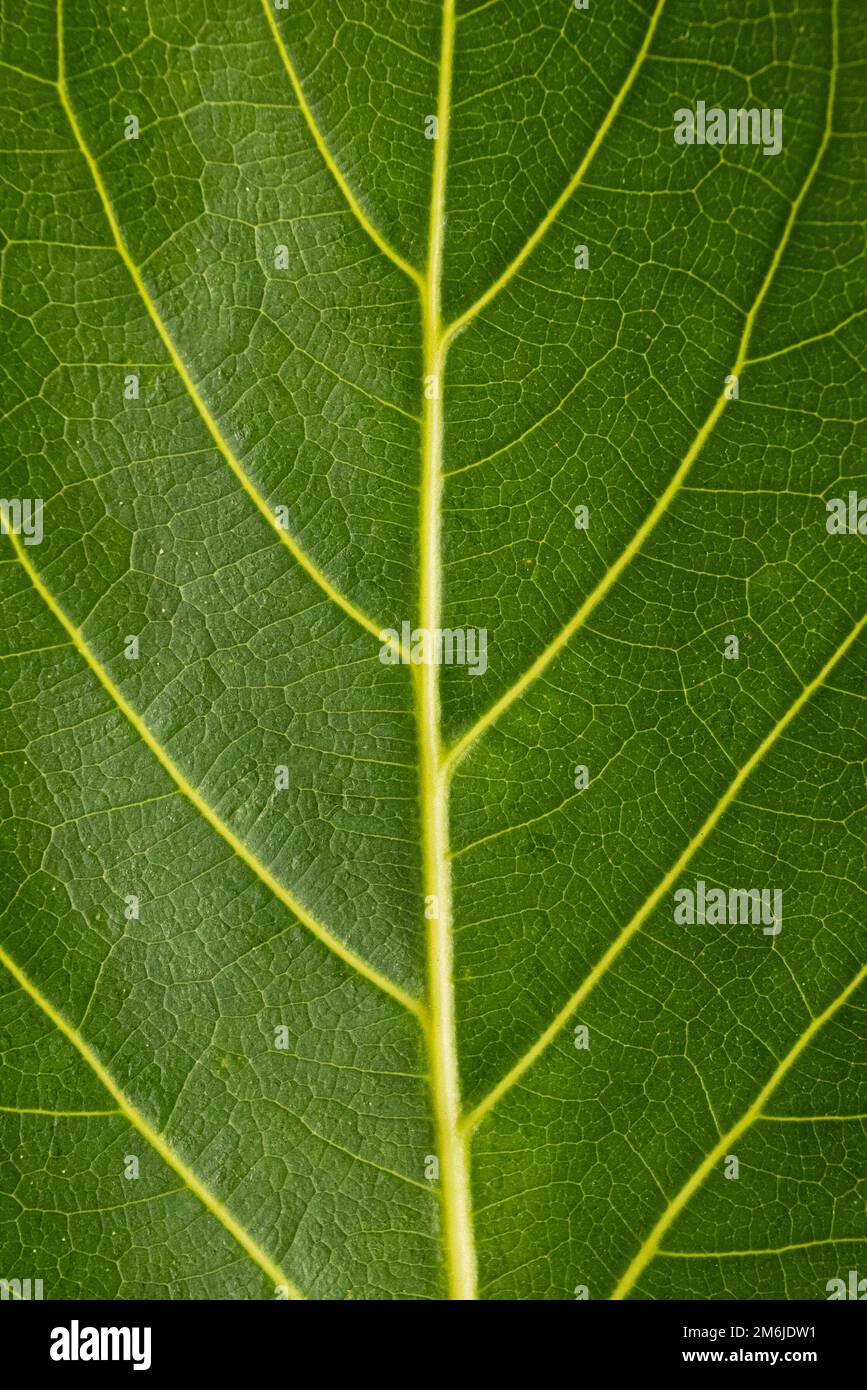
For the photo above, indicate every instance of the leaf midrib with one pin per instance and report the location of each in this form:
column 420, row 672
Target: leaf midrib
column 453, row 1155
column 435, row 784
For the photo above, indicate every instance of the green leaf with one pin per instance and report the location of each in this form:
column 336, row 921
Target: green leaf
column 328, row 973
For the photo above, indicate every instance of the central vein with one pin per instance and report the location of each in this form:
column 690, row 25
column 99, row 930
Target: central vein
column 433, row 774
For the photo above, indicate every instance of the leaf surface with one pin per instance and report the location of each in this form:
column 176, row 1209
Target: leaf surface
column 302, row 942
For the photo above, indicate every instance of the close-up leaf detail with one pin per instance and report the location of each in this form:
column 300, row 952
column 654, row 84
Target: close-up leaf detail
column 433, row 630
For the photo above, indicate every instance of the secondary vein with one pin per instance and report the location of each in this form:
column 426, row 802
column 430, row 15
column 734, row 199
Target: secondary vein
column 222, row 444
column 331, row 163
column 638, row 919
column 156, row 1140
column 557, row 207
column 205, row 809
column 650, row 1247
column 462, row 746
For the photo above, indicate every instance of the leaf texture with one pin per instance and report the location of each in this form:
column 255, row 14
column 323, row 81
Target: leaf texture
column 323, row 976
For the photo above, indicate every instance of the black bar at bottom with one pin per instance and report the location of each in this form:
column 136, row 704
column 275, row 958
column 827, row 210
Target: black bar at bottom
column 63, row 1339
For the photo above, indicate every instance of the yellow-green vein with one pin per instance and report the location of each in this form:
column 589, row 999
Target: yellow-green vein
column 216, row 1208
column 557, row 207
column 56, row 1114
column 220, row 441
column 609, row 579
column 433, row 783
column 770, row 1250
column 650, row 1246
column 638, row 919
column 330, row 162
column 263, row 874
